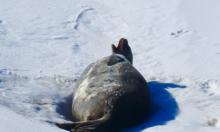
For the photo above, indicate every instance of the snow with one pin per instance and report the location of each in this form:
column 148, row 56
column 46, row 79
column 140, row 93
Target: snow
column 11, row 122
column 45, row 45
column 203, row 16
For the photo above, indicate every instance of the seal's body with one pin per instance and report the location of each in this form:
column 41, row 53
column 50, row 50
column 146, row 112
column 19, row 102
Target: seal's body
column 110, row 94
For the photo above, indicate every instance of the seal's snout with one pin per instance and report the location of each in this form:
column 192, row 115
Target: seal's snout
column 123, row 43
column 123, row 49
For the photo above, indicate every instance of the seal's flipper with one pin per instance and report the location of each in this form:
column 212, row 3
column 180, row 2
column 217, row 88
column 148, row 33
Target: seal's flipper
column 84, row 126
column 92, row 126
column 87, row 127
column 67, row 126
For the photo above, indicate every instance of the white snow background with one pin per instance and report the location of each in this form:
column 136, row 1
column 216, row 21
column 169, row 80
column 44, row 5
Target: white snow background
column 46, row 44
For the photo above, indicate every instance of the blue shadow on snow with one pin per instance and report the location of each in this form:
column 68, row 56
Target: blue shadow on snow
column 164, row 106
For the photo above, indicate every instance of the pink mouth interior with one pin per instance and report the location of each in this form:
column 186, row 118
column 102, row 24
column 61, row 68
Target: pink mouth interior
column 121, row 44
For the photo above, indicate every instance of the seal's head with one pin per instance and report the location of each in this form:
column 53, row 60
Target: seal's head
column 123, row 49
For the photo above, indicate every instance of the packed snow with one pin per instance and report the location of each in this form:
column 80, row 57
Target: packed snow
column 45, row 45
column 11, row 122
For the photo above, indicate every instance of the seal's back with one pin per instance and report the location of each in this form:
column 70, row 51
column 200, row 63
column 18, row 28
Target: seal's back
column 110, row 93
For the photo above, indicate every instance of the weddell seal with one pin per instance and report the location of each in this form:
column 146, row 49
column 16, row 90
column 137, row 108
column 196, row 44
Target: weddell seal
column 111, row 94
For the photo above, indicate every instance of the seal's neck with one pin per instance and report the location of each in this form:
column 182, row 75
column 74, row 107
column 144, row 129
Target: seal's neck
column 123, row 57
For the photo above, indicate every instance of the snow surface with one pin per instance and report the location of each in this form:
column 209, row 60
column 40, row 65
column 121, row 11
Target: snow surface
column 11, row 122
column 203, row 16
column 45, row 45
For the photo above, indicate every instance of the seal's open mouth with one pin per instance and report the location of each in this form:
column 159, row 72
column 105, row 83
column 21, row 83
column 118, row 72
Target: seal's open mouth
column 122, row 43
